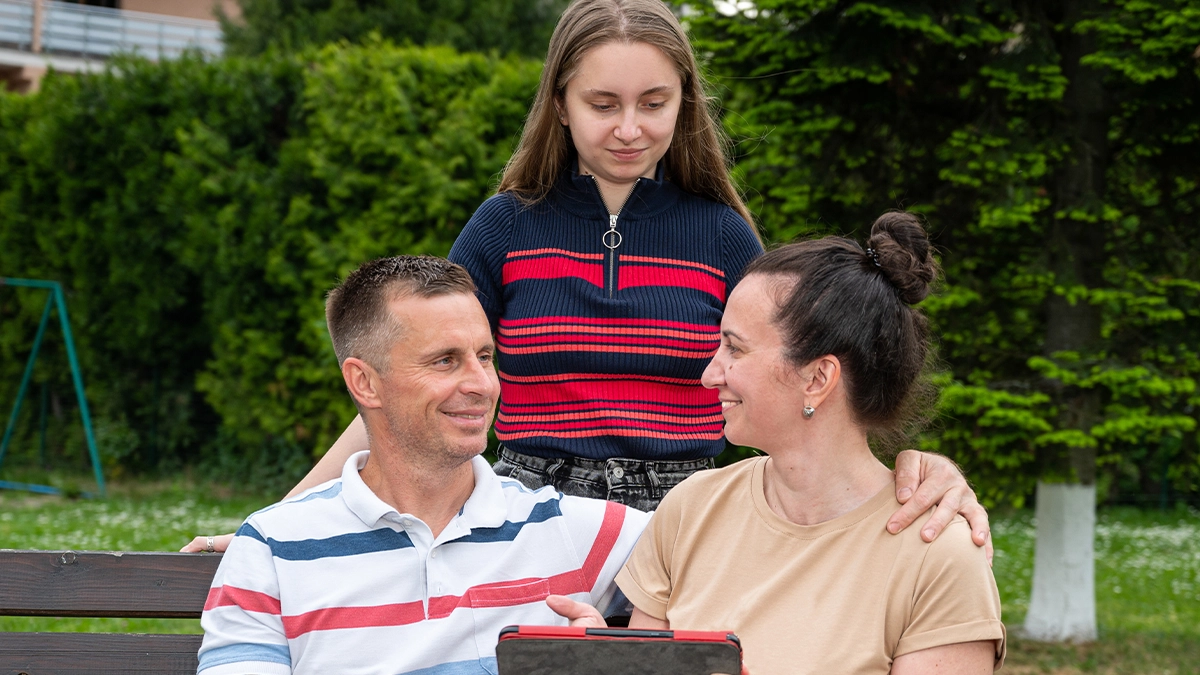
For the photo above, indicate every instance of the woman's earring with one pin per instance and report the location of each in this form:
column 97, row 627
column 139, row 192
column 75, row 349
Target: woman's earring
column 808, row 412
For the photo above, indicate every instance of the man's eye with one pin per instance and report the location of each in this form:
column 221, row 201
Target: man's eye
column 486, row 358
column 444, row 361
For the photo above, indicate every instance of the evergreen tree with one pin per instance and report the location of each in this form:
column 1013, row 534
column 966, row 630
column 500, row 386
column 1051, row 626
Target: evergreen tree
column 1054, row 148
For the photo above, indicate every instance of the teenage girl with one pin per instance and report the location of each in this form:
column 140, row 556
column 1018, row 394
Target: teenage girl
column 604, row 263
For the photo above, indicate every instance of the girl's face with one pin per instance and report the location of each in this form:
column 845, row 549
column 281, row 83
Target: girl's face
column 760, row 394
column 621, row 108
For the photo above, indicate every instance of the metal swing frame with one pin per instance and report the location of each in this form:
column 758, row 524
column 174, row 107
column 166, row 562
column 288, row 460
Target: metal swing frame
column 55, row 298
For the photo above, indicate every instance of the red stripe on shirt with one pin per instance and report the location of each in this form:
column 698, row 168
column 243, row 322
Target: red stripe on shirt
column 251, row 601
column 333, row 618
column 606, row 539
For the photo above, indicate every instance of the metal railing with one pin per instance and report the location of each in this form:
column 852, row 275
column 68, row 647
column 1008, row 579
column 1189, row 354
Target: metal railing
column 71, row 29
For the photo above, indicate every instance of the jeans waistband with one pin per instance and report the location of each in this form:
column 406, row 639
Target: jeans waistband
column 658, row 472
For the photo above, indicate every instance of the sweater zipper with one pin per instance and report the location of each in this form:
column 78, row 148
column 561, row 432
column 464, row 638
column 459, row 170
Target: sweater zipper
column 612, row 238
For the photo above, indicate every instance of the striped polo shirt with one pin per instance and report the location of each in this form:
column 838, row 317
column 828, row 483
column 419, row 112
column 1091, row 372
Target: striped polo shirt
column 601, row 349
column 336, row 581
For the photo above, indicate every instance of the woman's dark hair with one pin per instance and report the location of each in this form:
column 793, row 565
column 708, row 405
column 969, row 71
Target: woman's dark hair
column 857, row 305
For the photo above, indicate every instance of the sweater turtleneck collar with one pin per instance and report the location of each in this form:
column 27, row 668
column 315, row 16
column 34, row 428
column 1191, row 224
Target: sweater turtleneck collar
column 580, row 194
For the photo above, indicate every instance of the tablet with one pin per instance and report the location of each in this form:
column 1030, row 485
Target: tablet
column 575, row 650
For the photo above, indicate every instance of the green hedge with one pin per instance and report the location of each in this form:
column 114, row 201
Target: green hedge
column 198, row 212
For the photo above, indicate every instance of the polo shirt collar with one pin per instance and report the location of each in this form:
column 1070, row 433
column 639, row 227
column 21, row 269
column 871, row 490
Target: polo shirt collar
column 485, row 507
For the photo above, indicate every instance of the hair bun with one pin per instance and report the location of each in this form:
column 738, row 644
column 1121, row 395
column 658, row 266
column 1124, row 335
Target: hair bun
column 904, row 253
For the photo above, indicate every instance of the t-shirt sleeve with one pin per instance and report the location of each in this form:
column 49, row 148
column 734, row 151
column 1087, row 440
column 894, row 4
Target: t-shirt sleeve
column 646, row 578
column 604, row 534
column 739, row 246
column 242, row 622
column 481, row 248
column 955, row 599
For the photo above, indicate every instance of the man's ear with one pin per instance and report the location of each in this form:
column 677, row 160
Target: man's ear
column 363, row 382
column 821, row 378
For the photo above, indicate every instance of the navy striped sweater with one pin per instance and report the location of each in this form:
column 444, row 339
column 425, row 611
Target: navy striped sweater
column 601, row 350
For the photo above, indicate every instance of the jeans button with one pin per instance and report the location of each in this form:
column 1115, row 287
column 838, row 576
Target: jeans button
column 618, row 472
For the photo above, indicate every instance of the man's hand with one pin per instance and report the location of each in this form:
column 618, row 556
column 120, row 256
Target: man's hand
column 220, row 542
column 924, row 479
column 580, row 614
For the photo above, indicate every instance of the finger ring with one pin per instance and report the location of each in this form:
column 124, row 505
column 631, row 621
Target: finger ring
column 209, row 548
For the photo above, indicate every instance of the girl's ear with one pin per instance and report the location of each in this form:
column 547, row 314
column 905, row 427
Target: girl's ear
column 560, row 109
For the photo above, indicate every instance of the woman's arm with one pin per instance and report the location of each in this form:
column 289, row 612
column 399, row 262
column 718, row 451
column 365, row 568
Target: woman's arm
column 964, row 658
column 641, row 619
column 353, row 439
column 924, row 479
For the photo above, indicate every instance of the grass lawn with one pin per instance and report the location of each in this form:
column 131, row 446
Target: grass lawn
column 1147, row 569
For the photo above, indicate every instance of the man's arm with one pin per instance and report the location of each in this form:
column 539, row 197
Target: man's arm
column 924, row 479
column 243, row 626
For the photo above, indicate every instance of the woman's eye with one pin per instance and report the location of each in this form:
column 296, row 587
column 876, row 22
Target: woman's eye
column 655, row 105
column 602, row 107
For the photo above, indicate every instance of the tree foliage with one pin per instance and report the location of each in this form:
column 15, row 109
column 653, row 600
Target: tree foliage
column 1053, row 148
column 507, row 26
column 198, row 212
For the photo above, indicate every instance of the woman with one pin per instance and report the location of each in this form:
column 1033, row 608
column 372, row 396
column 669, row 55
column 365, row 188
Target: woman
column 604, row 262
column 820, row 348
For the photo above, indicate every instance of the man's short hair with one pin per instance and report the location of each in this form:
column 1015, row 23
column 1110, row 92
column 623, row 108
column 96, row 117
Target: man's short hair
column 357, row 310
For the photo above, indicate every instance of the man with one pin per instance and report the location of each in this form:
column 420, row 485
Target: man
column 418, row 555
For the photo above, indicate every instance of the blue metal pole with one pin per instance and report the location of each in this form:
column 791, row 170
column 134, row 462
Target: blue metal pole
column 37, row 344
column 77, row 375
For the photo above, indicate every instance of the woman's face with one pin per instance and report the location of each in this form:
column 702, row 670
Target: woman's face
column 621, row 108
column 759, row 390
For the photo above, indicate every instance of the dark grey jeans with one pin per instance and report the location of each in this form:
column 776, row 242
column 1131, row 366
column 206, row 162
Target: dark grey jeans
column 636, row 483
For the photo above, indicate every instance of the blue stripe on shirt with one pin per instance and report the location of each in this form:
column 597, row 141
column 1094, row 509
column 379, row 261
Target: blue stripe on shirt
column 542, row 512
column 245, row 652
column 354, row 543
column 485, row 666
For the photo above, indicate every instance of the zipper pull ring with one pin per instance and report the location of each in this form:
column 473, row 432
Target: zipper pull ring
column 612, row 238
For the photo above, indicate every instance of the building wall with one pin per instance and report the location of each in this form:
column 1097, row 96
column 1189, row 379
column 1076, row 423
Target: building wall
column 192, row 9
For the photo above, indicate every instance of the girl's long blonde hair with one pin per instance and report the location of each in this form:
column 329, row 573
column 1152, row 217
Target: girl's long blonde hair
column 696, row 161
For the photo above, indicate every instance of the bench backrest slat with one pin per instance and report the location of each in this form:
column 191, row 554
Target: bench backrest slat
column 105, row 584
column 97, row 654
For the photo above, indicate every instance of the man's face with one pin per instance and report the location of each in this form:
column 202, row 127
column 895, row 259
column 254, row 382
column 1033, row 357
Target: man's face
column 440, row 390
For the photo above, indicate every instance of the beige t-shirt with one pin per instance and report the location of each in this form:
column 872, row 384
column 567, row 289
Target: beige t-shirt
column 843, row 596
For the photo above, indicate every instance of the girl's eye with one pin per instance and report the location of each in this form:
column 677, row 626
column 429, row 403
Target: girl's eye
column 655, row 105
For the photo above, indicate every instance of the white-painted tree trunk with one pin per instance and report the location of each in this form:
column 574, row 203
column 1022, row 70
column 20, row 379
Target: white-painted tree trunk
column 1063, row 604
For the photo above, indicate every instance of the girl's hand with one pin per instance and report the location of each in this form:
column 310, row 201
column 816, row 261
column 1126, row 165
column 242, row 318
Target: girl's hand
column 924, row 479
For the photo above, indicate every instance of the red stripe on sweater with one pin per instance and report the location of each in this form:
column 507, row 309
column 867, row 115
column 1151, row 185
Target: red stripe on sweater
column 552, row 268
column 513, row 427
column 671, row 261
column 251, row 601
column 656, row 351
column 554, row 251
column 591, row 433
column 634, row 276
column 524, row 394
column 708, row 345
column 589, row 321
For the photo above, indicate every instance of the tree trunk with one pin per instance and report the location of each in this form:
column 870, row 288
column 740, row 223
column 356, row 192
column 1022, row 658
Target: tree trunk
column 1062, row 606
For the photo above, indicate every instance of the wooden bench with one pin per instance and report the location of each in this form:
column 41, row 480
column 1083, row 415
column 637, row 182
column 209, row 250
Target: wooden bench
column 102, row 584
